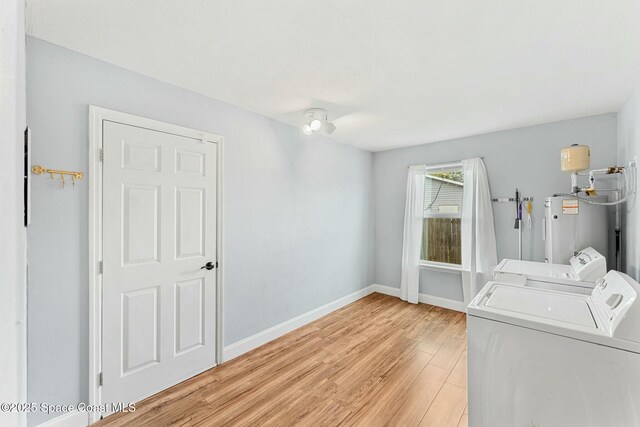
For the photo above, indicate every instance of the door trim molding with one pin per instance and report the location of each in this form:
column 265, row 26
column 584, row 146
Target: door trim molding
column 97, row 116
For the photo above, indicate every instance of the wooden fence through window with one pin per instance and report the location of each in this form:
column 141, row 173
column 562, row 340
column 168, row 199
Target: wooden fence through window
column 441, row 240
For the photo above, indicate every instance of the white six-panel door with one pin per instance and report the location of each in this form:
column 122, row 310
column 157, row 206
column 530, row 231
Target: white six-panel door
column 159, row 230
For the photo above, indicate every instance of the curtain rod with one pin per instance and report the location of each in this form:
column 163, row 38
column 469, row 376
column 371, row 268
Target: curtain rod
column 441, row 165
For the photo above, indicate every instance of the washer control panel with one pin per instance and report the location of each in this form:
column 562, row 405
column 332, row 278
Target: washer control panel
column 588, row 265
column 614, row 296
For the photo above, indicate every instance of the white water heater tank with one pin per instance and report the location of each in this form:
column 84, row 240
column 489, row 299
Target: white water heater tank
column 571, row 225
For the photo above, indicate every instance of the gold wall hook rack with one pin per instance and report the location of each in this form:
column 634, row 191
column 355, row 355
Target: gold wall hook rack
column 75, row 176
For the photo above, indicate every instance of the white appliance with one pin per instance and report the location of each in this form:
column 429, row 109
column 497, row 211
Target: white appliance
column 570, row 224
column 578, row 276
column 540, row 357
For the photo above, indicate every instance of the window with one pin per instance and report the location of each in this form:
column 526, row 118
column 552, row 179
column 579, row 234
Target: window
column 443, row 188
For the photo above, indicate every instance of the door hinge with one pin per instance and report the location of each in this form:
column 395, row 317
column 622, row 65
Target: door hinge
column 100, row 379
column 100, row 267
column 101, row 155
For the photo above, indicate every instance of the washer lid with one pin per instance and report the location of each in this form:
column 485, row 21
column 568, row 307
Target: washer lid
column 553, row 308
column 538, row 269
column 510, row 270
column 566, row 314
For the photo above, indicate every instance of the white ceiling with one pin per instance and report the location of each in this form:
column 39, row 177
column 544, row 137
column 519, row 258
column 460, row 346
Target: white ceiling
column 391, row 73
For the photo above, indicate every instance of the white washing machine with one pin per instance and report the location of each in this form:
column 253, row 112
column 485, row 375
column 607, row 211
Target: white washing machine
column 578, row 276
column 540, row 357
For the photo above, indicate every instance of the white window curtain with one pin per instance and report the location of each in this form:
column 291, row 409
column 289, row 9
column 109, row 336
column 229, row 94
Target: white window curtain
column 479, row 253
column 413, row 219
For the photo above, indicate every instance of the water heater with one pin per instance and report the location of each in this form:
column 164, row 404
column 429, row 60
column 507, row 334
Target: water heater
column 571, row 225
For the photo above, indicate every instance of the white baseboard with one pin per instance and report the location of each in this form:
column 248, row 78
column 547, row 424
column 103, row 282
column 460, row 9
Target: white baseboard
column 451, row 304
column 423, row 298
column 387, row 290
column 236, row 349
column 71, row 419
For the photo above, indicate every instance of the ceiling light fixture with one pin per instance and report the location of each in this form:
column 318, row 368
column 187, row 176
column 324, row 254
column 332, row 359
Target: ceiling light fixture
column 315, row 119
column 306, row 129
column 315, row 124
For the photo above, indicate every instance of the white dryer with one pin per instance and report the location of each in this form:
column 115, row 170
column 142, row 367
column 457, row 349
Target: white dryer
column 578, row 276
column 540, row 357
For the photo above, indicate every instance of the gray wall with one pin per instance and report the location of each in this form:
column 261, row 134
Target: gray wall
column 298, row 212
column 628, row 147
column 527, row 158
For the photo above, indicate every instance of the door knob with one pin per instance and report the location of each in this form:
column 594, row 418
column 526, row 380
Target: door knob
column 208, row 266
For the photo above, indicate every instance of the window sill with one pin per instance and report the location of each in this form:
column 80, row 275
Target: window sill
column 439, row 266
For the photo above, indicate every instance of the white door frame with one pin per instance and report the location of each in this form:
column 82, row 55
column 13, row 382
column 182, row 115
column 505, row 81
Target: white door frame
column 96, row 117
column 13, row 245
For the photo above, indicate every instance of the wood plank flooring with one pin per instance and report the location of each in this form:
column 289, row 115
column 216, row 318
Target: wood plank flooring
column 377, row 362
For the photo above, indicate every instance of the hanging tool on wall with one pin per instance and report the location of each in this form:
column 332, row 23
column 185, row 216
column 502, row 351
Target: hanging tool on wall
column 518, row 222
column 517, row 198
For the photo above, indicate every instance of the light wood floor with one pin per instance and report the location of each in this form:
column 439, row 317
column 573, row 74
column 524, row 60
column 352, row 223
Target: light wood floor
column 378, row 361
